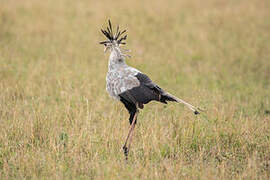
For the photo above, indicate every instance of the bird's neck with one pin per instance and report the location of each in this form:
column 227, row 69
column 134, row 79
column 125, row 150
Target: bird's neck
column 116, row 59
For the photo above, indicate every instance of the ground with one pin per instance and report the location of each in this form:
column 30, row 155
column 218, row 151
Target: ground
column 57, row 121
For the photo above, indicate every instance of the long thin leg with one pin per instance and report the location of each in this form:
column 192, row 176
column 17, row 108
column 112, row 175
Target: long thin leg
column 129, row 136
column 129, row 133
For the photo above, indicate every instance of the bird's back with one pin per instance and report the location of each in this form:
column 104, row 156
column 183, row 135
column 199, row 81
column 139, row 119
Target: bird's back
column 120, row 78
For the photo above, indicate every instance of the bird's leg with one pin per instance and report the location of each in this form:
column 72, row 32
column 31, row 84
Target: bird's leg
column 125, row 149
column 129, row 132
column 129, row 136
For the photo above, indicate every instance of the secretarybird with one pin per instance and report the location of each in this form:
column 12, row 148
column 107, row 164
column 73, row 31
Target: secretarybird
column 129, row 85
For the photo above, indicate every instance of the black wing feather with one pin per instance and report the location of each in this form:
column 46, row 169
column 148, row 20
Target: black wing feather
column 144, row 93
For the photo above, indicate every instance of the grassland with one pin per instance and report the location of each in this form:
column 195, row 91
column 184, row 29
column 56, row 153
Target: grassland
column 57, row 121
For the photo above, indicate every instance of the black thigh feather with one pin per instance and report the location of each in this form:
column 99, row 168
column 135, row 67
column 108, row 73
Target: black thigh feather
column 144, row 93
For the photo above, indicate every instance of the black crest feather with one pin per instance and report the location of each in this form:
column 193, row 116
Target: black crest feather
column 118, row 37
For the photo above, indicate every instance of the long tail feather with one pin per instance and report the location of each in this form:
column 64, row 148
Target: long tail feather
column 176, row 99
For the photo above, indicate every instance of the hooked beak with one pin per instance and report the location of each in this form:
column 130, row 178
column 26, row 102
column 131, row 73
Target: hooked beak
column 105, row 49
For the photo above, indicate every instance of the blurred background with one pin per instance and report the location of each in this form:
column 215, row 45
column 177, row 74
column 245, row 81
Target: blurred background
column 57, row 120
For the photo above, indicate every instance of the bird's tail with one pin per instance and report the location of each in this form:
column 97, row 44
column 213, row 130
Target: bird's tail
column 167, row 96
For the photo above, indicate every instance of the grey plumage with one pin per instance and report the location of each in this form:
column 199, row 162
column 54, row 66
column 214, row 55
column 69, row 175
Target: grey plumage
column 120, row 77
column 129, row 85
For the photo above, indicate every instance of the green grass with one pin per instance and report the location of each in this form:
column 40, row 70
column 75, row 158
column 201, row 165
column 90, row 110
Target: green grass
column 57, row 121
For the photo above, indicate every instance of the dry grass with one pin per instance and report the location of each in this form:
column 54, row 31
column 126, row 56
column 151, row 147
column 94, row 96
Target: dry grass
column 57, row 121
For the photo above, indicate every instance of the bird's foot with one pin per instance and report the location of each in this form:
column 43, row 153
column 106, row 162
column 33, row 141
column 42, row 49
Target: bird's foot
column 125, row 149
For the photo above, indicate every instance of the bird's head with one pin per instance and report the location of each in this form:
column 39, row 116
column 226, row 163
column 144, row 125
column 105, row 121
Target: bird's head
column 114, row 40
